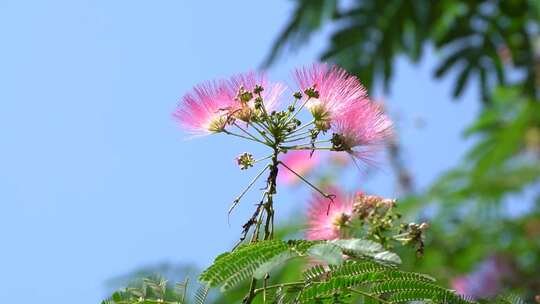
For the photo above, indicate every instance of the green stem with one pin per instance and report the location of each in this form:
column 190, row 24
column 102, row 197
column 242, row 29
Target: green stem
column 261, row 159
column 305, row 147
column 303, row 127
column 296, row 137
column 244, row 137
column 261, row 125
column 298, row 111
column 315, row 142
column 262, row 132
column 249, row 134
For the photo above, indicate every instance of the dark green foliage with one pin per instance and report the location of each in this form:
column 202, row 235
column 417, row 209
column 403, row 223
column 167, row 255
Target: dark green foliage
column 363, row 275
column 373, row 280
column 308, row 17
column 255, row 260
column 471, row 220
column 476, row 38
column 229, row 269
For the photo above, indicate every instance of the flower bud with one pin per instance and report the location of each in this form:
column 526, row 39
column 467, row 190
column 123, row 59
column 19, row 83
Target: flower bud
column 311, row 92
column 245, row 161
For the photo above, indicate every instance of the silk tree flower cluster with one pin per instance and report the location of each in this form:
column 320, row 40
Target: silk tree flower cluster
column 361, row 215
column 337, row 101
column 249, row 106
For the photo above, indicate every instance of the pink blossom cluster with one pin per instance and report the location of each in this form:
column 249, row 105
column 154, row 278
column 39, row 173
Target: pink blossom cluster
column 211, row 105
column 333, row 219
column 342, row 105
column 336, row 99
column 329, row 220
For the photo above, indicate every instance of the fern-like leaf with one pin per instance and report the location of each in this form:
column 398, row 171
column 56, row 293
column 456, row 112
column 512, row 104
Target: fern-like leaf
column 232, row 268
column 201, row 295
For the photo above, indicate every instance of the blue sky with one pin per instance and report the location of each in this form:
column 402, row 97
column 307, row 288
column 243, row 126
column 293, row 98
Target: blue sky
column 96, row 179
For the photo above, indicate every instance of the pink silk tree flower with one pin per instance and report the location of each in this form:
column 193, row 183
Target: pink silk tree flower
column 204, row 110
column 331, row 91
column 329, row 223
column 241, row 87
column 361, row 129
column 460, row 285
column 301, row 161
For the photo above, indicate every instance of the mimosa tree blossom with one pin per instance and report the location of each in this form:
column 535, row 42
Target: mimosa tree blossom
column 212, row 105
column 361, row 129
column 329, row 220
column 246, row 106
column 244, row 88
column 205, row 110
column 330, row 91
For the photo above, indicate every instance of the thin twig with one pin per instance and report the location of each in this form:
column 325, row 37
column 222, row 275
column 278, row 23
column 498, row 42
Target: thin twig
column 328, row 196
column 261, row 132
column 252, row 220
column 242, row 136
column 261, row 159
column 304, row 135
column 306, row 147
column 303, row 127
column 309, row 144
column 249, row 134
column 237, row 200
column 298, row 111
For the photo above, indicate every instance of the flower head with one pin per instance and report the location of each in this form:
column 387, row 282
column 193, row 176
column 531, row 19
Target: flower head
column 301, row 161
column 243, row 90
column 360, row 129
column 204, row 110
column 368, row 205
column 331, row 91
column 329, row 222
